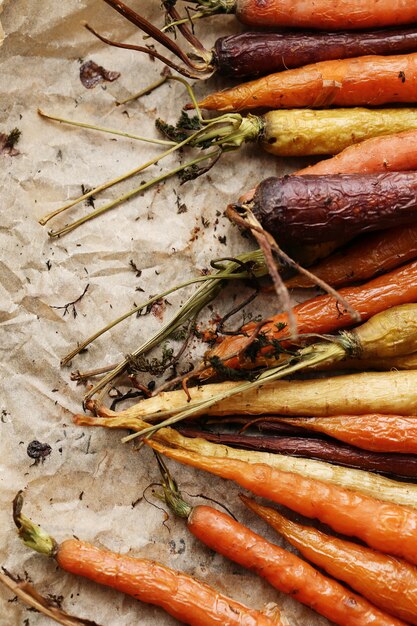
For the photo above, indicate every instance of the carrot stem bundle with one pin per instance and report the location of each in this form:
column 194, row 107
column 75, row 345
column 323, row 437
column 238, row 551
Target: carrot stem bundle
column 321, row 314
column 362, row 81
column 283, row 570
column 386, row 527
column 180, row 595
column 387, row 582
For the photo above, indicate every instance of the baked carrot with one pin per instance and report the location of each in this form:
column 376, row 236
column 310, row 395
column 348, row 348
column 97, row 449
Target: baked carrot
column 394, row 153
column 334, row 15
column 362, row 81
column 391, row 393
column 309, row 447
column 322, row 314
column 244, row 55
column 389, row 333
column 386, row 527
column 369, row 484
column 302, row 132
column 369, row 256
column 380, row 433
column 283, row 133
column 327, row 208
column 180, row 595
column 283, row 570
column 387, row 582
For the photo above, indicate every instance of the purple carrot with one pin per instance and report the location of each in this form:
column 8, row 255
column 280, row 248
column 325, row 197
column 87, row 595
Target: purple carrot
column 401, row 465
column 315, row 209
column 260, row 53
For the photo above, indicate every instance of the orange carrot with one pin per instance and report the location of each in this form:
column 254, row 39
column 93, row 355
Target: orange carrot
column 387, row 582
column 383, row 526
column 369, row 80
column 379, row 433
column 374, row 254
column 323, row 314
column 182, row 596
column 331, row 14
column 282, row 569
column 394, row 153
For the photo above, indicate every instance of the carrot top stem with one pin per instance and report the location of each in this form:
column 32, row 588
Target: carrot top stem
column 172, row 495
column 111, row 131
column 32, row 535
column 251, row 264
column 199, row 61
column 211, row 7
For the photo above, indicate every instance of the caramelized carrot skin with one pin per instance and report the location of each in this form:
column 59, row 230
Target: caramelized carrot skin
column 387, row 582
column 372, row 255
column 314, row 209
column 244, row 55
column 388, row 153
column 183, row 597
column 323, row 314
column 383, row 526
column 331, row 14
column 362, row 81
column 393, row 153
column 283, row 570
column 397, row 465
column 379, row 433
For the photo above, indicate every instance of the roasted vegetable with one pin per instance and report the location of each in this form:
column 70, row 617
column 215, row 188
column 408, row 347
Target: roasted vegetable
column 331, row 14
column 362, row 81
column 380, row 433
column 396, row 465
column 369, row 256
column 385, row 581
column 257, row 53
column 283, row 570
column 321, row 314
column 180, row 595
column 364, row 482
column 326, row 208
column 386, row 527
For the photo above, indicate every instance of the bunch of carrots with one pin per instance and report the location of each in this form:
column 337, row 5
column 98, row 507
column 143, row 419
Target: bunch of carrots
column 336, row 449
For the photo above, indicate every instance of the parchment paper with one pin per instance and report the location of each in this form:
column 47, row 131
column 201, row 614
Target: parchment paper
column 87, row 485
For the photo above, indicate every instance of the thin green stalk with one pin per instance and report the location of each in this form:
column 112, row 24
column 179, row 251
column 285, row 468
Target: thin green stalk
column 184, row 20
column 203, row 296
column 304, row 358
column 130, row 194
column 144, row 92
column 233, row 131
column 102, row 129
column 121, row 178
column 136, row 309
column 213, row 7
